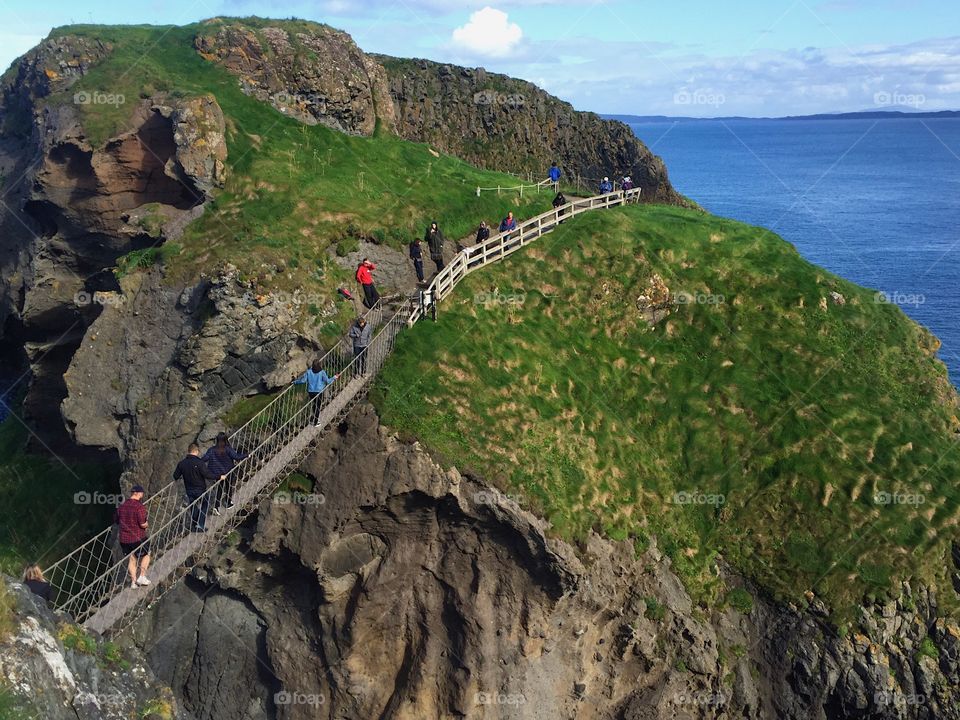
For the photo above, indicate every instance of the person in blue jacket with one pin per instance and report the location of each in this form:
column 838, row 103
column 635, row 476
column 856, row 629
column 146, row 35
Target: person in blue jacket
column 554, row 174
column 221, row 459
column 316, row 380
column 606, row 186
column 508, row 223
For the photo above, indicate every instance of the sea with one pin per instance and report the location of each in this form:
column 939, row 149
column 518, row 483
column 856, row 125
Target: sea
column 875, row 201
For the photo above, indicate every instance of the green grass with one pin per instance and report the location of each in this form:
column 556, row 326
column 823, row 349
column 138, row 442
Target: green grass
column 39, row 520
column 781, row 417
column 293, row 190
column 7, row 609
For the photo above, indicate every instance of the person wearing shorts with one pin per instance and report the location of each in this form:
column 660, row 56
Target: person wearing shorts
column 131, row 516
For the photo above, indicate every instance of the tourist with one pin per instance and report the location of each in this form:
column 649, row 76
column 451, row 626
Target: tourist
column 34, row 580
column 316, row 380
column 131, row 516
column 221, row 459
column 360, row 333
column 559, row 201
column 627, row 183
column 365, row 277
column 606, row 186
column 554, row 175
column 434, row 239
column 416, row 254
column 483, row 232
column 195, row 473
column 508, row 224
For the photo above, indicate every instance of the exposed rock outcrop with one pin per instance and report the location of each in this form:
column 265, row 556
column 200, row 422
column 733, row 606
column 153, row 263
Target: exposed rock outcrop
column 72, row 208
column 315, row 74
column 52, row 670
column 401, row 589
column 502, row 123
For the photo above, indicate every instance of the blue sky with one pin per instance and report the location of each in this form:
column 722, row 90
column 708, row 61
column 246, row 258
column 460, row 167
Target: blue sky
column 684, row 57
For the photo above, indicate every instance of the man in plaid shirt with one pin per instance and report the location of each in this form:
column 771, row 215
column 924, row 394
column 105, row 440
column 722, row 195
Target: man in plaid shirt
column 131, row 516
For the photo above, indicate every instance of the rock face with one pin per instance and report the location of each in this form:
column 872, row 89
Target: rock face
column 52, row 670
column 502, row 123
column 397, row 588
column 72, row 209
column 317, row 75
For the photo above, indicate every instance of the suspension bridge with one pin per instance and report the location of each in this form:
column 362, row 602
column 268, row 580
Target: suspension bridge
column 91, row 582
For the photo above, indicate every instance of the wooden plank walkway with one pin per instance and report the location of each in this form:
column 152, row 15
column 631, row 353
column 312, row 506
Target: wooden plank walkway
column 196, row 544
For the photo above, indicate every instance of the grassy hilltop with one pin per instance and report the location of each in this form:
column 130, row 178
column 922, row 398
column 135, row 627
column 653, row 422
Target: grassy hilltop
column 761, row 420
column 293, row 190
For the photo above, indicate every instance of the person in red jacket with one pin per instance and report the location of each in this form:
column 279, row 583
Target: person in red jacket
column 365, row 277
column 131, row 516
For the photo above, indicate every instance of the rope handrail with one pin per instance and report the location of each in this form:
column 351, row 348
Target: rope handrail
column 97, row 552
column 90, row 583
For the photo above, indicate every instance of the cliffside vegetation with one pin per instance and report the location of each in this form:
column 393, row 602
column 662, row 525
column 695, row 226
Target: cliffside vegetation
column 651, row 370
column 292, row 190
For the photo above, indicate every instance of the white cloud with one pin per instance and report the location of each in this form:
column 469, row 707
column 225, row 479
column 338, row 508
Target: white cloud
column 488, row 33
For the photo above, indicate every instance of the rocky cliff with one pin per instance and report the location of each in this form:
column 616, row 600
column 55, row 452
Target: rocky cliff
column 52, row 670
column 399, row 588
column 502, row 123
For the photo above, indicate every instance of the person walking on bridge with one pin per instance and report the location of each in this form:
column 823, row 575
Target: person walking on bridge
column 508, row 223
column 360, row 333
column 554, row 175
column 195, row 473
column 606, row 186
column 434, row 240
column 416, row 254
column 316, row 380
column 131, row 516
column 365, row 277
column 221, row 459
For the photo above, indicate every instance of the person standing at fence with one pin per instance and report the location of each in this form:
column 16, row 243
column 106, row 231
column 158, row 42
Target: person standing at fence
column 221, row 459
column 195, row 473
column 35, row 581
column 416, row 254
column 558, row 202
column 434, row 239
column 131, row 516
column 483, row 232
column 554, row 175
column 508, row 223
column 627, row 183
column 316, row 380
column 365, row 277
column 606, row 186
column 360, row 333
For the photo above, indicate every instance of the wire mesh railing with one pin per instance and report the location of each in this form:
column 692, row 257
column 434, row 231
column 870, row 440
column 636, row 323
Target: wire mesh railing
column 90, row 583
column 80, row 578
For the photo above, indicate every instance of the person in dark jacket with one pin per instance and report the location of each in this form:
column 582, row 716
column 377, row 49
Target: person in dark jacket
column 508, row 223
column 365, row 277
column 195, row 473
column 434, row 240
column 559, row 201
column 33, row 578
column 131, row 517
column 316, row 380
column 483, row 232
column 416, row 254
column 606, row 186
column 221, row 459
column 360, row 333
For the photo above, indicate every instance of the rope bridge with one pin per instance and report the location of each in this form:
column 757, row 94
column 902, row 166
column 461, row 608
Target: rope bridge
column 91, row 583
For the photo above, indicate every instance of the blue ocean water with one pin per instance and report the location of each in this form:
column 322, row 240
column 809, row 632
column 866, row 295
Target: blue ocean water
column 877, row 202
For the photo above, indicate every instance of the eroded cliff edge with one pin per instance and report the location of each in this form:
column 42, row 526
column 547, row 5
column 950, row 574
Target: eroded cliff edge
column 398, row 588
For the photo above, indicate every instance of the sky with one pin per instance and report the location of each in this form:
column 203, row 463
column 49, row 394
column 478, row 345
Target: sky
column 644, row 57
